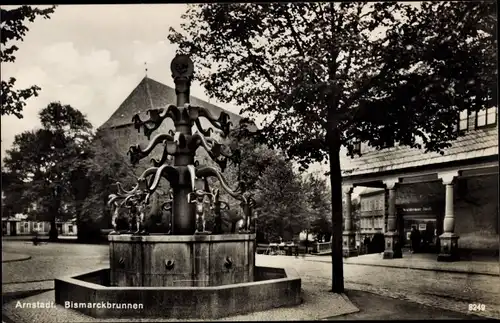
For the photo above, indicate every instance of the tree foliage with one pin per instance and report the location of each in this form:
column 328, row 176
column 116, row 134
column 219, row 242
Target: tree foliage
column 327, row 75
column 12, row 200
column 13, row 29
column 103, row 168
column 282, row 206
column 275, row 186
column 47, row 162
column 319, row 206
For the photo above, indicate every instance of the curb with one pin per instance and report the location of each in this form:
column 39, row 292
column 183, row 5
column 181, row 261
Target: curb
column 419, row 268
column 344, row 296
column 14, row 259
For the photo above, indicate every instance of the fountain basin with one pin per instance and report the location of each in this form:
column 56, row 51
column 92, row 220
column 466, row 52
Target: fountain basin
column 93, row 295
column 184, row 260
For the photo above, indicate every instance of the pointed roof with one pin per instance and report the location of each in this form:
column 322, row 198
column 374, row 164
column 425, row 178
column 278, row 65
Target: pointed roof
column 150, row 94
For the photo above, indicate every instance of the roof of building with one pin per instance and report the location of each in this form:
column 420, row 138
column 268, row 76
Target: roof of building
column 473, row 144
column 151, row 94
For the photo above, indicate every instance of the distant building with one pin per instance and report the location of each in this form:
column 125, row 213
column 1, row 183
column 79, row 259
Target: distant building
column 467, row 173
column 19, row 225
column 150, row 94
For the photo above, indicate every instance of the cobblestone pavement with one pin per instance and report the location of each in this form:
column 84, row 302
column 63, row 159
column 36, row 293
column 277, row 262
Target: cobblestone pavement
column 52, row 260
column 452, row 291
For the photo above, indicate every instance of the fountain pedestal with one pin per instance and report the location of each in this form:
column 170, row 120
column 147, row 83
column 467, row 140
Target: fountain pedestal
column 169, row 260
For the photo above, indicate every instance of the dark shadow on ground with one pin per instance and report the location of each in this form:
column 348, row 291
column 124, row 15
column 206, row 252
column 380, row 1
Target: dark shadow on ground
column 376, row 307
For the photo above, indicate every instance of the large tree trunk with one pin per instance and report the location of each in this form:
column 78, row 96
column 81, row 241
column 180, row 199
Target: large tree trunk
column 333, row 139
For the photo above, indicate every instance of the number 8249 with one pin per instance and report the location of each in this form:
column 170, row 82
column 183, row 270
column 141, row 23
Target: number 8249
column 477, row 307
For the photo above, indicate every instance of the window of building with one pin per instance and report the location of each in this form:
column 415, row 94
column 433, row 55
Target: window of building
column 70, row 228
column 481, row 118
column 462, row 125
column 472, row 120
column 491, row 116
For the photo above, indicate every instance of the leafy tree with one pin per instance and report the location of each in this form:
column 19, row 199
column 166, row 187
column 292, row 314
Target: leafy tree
column 13, row 28
column 282, row 202
column 328, row 75
column 12, row 198
column 102, row 169
column 319, row 205
column 45, row 160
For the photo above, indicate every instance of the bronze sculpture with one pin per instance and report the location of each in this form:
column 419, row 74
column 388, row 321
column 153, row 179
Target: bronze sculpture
column 187, row 200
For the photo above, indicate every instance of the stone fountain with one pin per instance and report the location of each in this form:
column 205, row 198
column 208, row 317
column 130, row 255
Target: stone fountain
column 185, row 272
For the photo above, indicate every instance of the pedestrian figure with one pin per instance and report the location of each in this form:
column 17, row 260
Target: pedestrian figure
column 366, row 243
column 35, row 238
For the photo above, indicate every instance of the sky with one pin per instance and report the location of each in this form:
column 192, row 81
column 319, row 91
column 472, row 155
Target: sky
column 91, row 57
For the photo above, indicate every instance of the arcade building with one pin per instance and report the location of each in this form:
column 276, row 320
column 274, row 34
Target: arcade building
column 452, row 199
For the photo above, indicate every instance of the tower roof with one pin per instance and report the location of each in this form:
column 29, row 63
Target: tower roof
column 150, row 94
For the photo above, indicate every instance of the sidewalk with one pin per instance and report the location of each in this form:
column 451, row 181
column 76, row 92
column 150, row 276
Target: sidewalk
column 423, row 262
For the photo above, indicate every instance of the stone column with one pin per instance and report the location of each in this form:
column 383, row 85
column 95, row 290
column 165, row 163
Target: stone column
column 448, row 240
column 183, row 213
column 348, row 236
column 392, row 243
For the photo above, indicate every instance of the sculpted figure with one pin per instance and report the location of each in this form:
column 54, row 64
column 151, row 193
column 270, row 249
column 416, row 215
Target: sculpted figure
column 114, row 218
column 218, row 207
column 198, row 197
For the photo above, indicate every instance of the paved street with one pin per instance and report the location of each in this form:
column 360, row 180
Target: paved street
column 376, row 307
column 449, row 291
